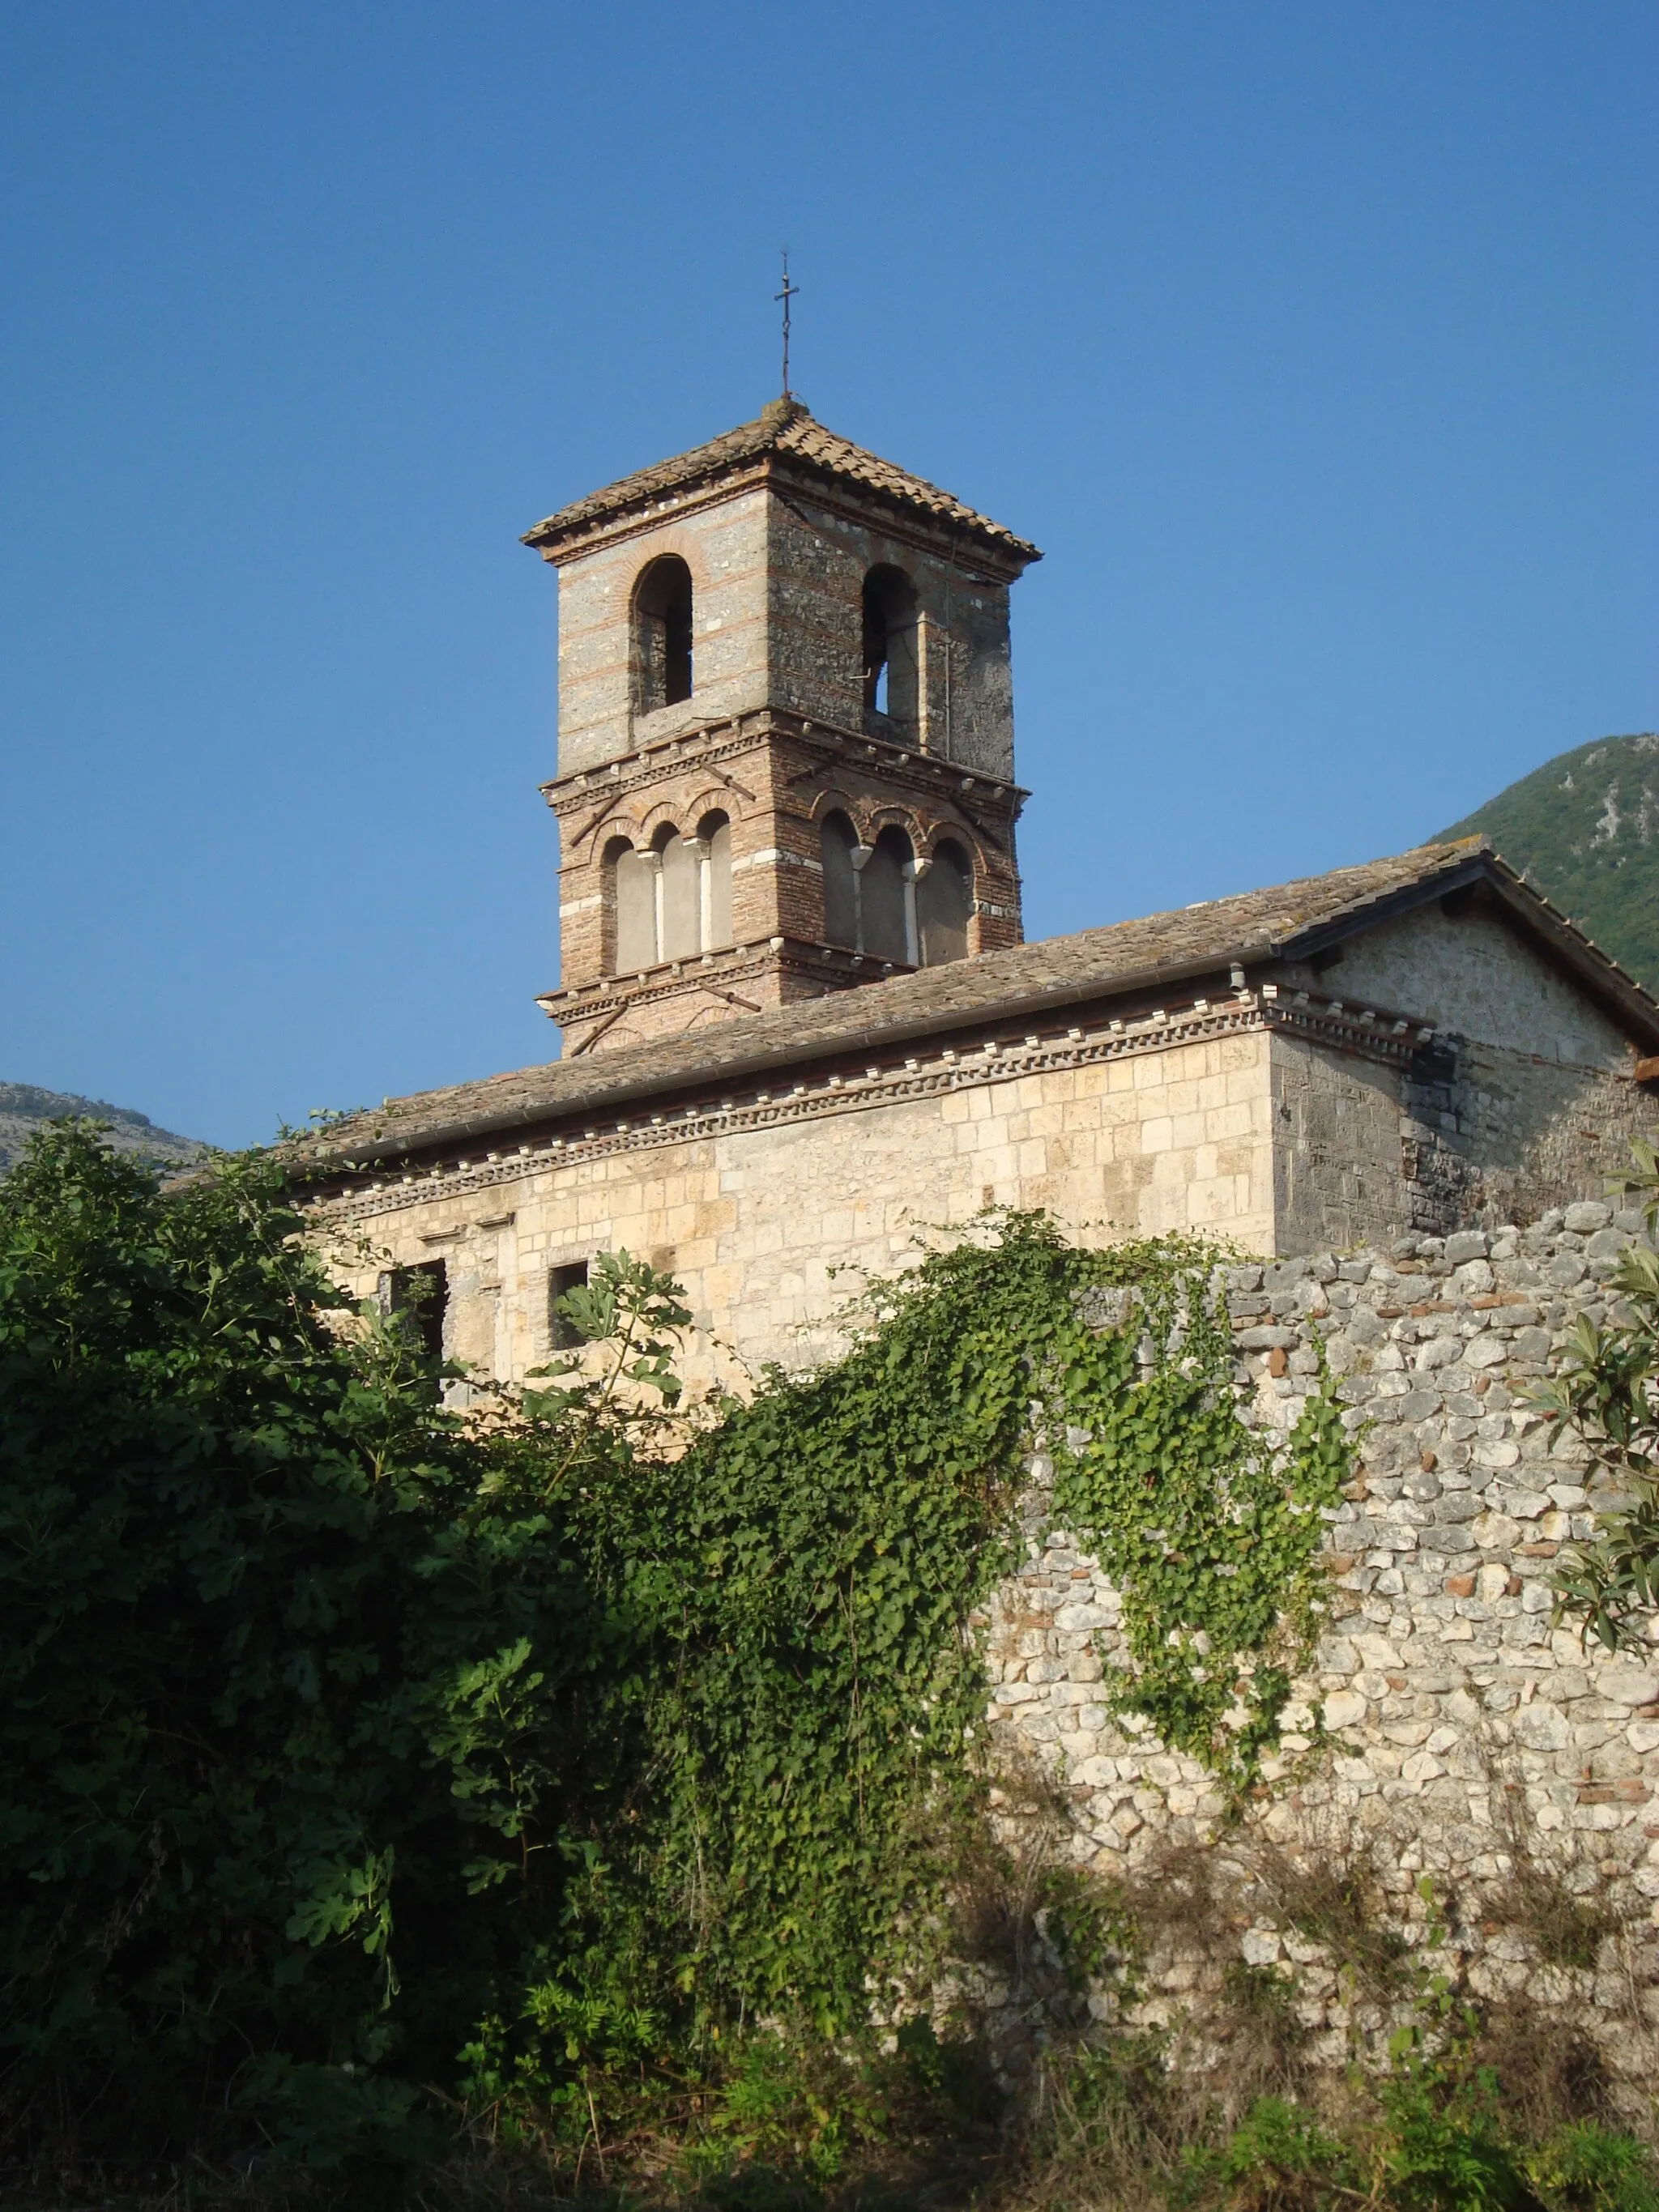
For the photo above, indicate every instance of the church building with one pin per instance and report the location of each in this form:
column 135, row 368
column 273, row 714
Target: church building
column 802, row 1028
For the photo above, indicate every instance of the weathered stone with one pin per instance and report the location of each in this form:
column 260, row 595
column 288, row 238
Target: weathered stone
column 1467, row 1245
column 1445, row 1537
column 1523, row 1504
column 1268, row 1337
column 1495, row 1532
column 1586, row 1215
column 1629, row 1686
column 1458, row 1505
column 1489, row 1350
column 1540, row 1727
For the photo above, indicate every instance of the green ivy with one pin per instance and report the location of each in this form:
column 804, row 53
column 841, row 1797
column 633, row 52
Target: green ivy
column 812, row 1562
column 1210, row 1529
column 811, row 1565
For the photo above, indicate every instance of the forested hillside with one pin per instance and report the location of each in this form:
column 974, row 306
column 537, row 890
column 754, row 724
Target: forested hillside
column 25, row 1108
column 1585, row 828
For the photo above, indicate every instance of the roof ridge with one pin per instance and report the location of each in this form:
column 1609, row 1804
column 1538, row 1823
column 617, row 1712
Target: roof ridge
column 787, row 428
column 1151, row 952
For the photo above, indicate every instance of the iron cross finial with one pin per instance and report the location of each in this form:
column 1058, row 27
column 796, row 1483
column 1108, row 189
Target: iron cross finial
column 788, row 293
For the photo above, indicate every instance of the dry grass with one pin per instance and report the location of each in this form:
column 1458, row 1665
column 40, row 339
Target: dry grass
column 1566, row 1910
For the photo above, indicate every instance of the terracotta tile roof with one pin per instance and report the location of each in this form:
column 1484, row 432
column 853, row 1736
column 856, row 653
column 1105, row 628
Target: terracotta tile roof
column 787, row 433
column 1288, row 921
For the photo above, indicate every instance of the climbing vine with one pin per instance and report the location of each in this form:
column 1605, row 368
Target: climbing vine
column 811, row 1563
column 1209, row 1527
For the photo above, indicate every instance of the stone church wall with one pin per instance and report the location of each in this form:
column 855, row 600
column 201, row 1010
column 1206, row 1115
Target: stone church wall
column 1337, row 1161
column 1470, row 974
column 1522, row 1101
column 775, row 1200
column 770, row 1226
column 1445, row 1728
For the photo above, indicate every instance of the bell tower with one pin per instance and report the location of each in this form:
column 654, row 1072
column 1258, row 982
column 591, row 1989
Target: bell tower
column 785, row 731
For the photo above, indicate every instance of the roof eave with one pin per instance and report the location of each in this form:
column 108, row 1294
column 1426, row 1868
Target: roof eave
column 734, row 472
column 902, row 1030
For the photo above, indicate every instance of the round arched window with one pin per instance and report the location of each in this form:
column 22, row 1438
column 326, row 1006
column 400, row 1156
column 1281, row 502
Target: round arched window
column 662, row 634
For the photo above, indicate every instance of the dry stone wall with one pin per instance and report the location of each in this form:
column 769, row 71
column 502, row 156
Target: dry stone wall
column 1445, row 1729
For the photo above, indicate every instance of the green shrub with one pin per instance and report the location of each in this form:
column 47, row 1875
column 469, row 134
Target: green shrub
column 1582, row 2168
column 364, row 1761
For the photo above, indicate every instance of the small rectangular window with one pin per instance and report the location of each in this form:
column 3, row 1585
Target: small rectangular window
column 422, row 1293
column 562, row 1334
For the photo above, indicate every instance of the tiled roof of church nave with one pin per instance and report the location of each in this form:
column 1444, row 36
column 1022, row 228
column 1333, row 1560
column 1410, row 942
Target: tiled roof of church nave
column 788, row 429
column 1151, row 952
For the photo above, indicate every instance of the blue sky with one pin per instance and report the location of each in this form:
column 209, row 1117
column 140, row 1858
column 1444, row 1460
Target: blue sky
column 1314, row 344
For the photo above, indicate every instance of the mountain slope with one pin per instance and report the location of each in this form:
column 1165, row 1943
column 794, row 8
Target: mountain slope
column 1585, row 828
column 24, row 1107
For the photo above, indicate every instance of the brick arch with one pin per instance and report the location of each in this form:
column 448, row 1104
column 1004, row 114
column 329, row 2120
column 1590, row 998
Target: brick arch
column 617, row 822
column 837, row 802
column 888, row 814
column 685, row 812
column 954, row 833
column 662, row 814
column 642, row 551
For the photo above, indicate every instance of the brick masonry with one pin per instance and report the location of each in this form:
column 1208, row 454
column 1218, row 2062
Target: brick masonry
column 776, row 731
column 774, row 776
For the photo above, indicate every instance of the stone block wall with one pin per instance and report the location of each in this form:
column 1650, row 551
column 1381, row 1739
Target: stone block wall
column 1523, row 1099
column 769, row 1208
column 1337, row 1168
column 1493, row 1134
column 1445, row 1727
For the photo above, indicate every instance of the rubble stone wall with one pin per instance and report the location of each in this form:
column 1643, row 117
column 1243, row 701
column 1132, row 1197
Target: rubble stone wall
column 1445, row 1728
column 1490, row 1134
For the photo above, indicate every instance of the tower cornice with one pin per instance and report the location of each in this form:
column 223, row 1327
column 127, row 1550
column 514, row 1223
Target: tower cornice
column 710, row 744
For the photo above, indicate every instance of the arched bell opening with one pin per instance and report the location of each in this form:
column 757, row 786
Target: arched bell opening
column 662, row 634
column 944, row 905
column 891, row 654
column 887, row 898
column 671, row 901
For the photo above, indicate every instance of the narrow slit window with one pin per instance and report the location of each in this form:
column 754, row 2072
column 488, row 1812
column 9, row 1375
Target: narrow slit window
column 714, row 849
column 892, row 651
column 631, row 894
column 887, row 898
column 680, row 884
column 945, row 900
column 838, row 843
